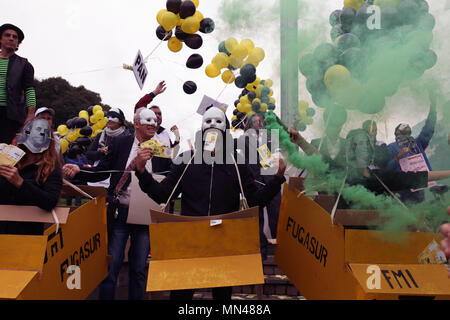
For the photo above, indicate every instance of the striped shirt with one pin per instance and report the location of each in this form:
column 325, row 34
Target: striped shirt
column 30, row 94
column 3, row 70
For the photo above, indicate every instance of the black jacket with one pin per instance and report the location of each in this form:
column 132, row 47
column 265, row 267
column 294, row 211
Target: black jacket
column 116, row 159
column 20, row 76
column 209, row 188
column 44, row 196
column 93, row 154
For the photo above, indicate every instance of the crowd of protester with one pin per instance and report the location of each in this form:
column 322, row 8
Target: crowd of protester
column 205, row 188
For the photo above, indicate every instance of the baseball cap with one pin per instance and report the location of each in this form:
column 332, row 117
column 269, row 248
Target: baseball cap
column 44, row 109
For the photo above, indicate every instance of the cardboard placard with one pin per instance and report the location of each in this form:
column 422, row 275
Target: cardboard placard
column 326, row 261
column 140, row 203
column 36, row 267
column 32, row 214
column 192, row 254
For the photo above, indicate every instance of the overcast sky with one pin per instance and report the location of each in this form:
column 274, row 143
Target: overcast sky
column 86, row 43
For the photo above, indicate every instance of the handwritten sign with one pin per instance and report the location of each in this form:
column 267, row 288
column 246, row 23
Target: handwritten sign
column 415, row 163
column 140, row 70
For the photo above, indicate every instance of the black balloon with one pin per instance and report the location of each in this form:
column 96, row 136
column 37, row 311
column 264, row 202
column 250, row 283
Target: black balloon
column 336, row 31
column 207, row 25
column 189, row 87
column 346, row 18
column 173, row 6
column 86, row 131
column 80, row 122
column 251, row 95
column 240, row 82
column 84, row 141
column 180, row 34
column 195, row 61
column 89, row 110
column 193, row 41
column 347, row 41
column 327, row 55
column 334, row 17
column 187, row 9
column 162, row 34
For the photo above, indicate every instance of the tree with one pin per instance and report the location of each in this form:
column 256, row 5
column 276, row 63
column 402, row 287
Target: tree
column 66, row 100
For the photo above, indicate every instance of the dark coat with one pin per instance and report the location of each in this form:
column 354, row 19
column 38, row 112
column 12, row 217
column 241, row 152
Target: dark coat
column 116, row 160
column 44, row 196
column 212, row 189
column 20, row 76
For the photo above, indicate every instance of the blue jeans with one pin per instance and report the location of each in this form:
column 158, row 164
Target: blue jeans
column 137, row 257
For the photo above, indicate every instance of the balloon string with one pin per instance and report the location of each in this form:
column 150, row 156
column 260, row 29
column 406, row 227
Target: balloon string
column 91, row 71
column 157, row 46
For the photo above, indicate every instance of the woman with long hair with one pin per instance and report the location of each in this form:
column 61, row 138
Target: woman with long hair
column 36, row 180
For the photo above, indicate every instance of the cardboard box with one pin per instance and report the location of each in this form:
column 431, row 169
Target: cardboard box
column 36, row 267
column 204, row 252
column 333, row 261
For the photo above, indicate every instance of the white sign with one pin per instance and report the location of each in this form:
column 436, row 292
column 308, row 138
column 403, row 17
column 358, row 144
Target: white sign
column 415, row 163
column 140, row 70
column 140, row 203
column 207, row 102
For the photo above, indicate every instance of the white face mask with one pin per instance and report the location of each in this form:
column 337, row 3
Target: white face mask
column 214, row 118
column 148, row 117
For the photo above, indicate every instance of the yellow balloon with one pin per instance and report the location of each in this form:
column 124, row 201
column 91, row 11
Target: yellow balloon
column 354, row 4
column 190, row 25
column 64, row 145
column 251, row 60
column 93, row 119
column 236, row 62
column 337, row 77
column 250, row 87
column 196, row 2
column 180, row 21
column 174, row 44
column 239, row 51
column 230, row 43
column 62, row 130
column 308, row 121
column 248, row 44
column 240, row 107
column 264, row 107
column 247, row 107
column 244, row 100
column 221, row 60
column 159, row 15
column 99, row 115
column 212, row 71
column 250, row 113
column 228, row 76
column 102, row 123
column 302, row 106
column 96, row 108
column 72, row 136
column 198, row 15
column 256, row 54
column 169, row 20
column 272, row 100
column 259, row 87
column 233, row 118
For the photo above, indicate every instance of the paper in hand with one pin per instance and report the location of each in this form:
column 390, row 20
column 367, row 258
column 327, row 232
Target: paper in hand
column 10, row 154
column 158, row 147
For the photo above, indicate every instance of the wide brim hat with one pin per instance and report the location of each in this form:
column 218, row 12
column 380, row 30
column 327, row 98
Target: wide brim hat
column 8, row 26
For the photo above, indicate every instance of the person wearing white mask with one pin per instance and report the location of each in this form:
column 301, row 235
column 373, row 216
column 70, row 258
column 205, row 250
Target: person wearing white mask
column 120, row 161
column 115, row 127
column 209, row 185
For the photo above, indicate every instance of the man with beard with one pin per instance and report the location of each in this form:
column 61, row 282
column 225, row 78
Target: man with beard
column 210, row 184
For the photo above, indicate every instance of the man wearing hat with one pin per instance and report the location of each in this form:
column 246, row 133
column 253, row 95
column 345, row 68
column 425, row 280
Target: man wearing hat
column 16, row 84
